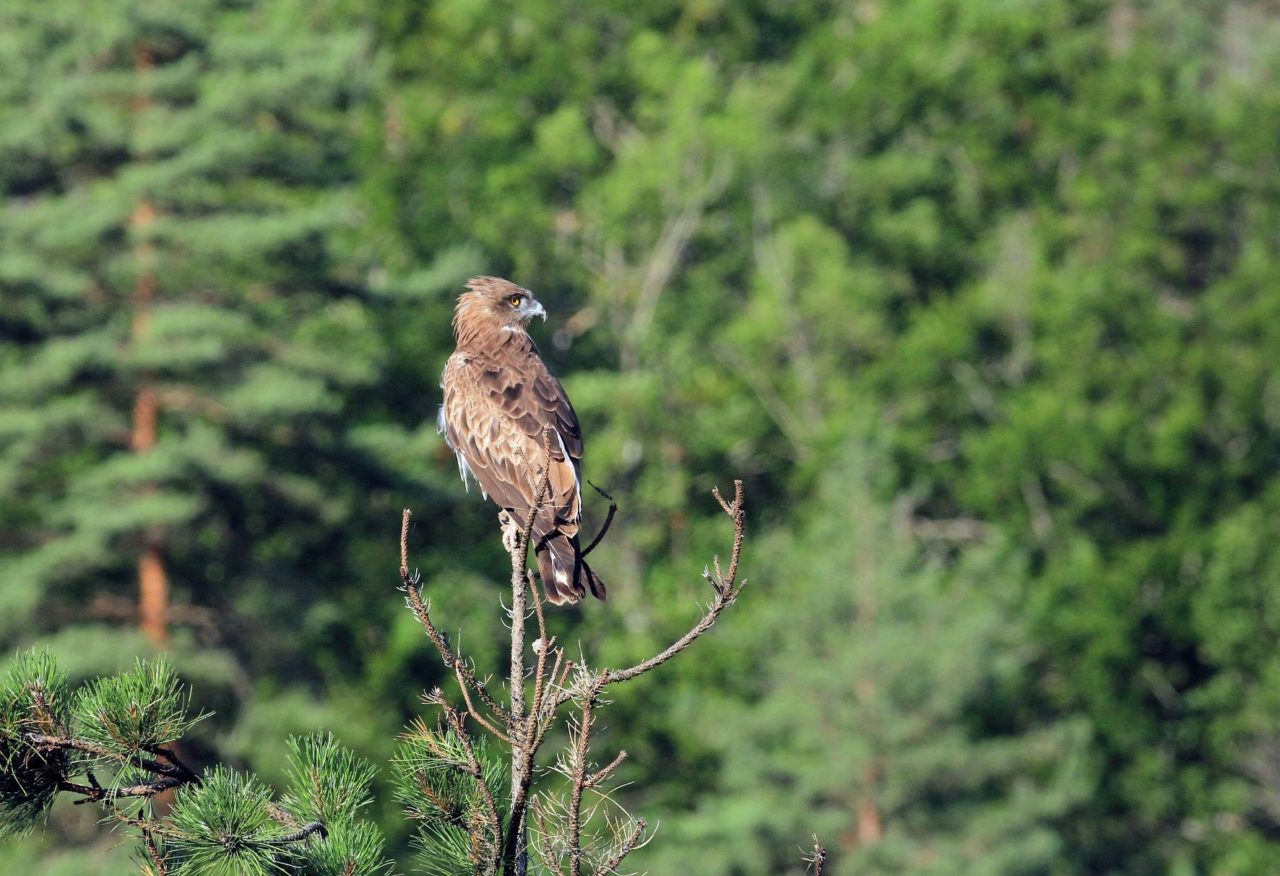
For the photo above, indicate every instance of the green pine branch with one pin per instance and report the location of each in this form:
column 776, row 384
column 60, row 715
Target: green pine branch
column 123, row 728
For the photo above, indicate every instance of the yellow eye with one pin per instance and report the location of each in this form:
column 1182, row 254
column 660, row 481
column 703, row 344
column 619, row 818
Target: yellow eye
column 515, row 300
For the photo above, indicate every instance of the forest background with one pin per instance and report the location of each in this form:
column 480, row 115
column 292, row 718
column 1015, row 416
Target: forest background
column 981, row 298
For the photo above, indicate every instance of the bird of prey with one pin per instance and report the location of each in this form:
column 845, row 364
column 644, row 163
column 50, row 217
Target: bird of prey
column 501, row 410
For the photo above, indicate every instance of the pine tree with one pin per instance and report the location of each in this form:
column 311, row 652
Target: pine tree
column 118, row 733
column 883, row 708
column 182, row 338
column 179, row 322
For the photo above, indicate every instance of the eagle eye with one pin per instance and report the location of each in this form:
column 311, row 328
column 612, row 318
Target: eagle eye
column 515, row 300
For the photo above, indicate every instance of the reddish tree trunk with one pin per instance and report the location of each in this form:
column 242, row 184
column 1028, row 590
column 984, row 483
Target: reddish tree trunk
column 870, row 828
column 153, row 581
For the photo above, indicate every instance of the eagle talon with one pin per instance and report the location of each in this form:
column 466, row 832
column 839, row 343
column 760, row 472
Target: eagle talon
column 510, row 530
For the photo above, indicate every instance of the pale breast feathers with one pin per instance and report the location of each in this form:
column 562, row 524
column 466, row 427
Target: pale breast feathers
column 493, row 418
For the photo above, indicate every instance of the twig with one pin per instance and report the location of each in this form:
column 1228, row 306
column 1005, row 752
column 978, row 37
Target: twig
column 605, row 771
column 581, row 745
column 536, row 596
column 404, row 544
column 474, row 712
column 727, row 589
column 172, row 756
column 542, row 646
column 421, row 611
column 299, row 835
column 725, row 585
column 817, row 858
column 542, row 834
column 627, row 847
column 174, row 770
column 491, row 814
column 96, row 793
column 153, row 852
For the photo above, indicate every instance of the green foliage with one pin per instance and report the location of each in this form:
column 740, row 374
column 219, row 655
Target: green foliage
column 440, row 794
column 202, row 176
column 1024, row 250
column 229, row 823
column 330, row 784
column 224, row 825
column 33, row 699
column 136, row 711
column 223, row 822
column 942, row 766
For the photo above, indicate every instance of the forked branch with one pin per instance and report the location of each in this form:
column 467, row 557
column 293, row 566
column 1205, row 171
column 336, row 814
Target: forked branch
column 726, row 585
column 564, row 835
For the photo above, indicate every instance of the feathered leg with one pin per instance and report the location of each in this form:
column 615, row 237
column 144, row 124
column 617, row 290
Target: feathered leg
column 510, row 530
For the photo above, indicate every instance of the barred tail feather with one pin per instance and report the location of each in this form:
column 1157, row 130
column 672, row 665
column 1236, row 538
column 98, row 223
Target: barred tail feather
column 566, row 577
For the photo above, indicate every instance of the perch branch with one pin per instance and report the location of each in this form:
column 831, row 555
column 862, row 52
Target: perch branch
column 521, row 728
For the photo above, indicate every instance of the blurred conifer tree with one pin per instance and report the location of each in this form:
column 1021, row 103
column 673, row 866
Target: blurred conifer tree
column 182, row 338
column 181, row 333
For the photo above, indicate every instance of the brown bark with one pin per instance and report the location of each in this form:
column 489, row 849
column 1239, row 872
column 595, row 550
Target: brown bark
column 869, row 826
column 153, row 581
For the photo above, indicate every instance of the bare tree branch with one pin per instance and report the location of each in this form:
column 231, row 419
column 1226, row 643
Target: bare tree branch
column 727, row 589
column 523, row 725
column 627, row 847
column 491, row 807
column 581, row 745
column 421, row 611
column 817, row 858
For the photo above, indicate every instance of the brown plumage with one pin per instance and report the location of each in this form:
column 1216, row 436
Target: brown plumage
column 499, row 400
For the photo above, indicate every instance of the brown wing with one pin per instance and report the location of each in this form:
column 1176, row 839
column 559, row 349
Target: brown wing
column 493, row 417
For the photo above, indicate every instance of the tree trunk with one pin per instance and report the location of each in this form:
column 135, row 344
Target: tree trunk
column 153, row 581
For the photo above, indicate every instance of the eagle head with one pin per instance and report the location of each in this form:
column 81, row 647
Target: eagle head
column 501, row 300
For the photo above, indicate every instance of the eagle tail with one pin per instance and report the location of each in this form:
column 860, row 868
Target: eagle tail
column 566, row 577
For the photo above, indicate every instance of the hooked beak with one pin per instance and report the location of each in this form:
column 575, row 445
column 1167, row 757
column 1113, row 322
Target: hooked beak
column 534, row 308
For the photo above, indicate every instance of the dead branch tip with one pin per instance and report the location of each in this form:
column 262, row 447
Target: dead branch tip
column 405, row 517
column 817, row 858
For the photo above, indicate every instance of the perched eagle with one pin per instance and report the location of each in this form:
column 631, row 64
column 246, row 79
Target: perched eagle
column 499, row 402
